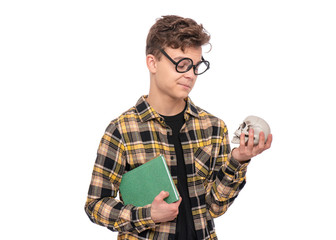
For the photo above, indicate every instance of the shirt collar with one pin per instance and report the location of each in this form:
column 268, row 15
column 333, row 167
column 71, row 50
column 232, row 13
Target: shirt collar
column 146, row 112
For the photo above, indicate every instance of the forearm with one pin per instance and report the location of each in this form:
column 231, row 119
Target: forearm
column 229, row 181
column 104, row 212
column 104, row 209
column 111, row 213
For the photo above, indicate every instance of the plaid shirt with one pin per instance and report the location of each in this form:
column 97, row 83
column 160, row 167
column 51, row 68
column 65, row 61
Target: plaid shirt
column 139, row 135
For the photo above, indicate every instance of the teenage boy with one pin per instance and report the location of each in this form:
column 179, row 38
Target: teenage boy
column 195, row 144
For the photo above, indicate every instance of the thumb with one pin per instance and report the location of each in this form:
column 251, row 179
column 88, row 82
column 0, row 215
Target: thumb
column 162, row 195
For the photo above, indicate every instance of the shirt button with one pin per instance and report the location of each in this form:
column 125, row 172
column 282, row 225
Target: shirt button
column 172, row 158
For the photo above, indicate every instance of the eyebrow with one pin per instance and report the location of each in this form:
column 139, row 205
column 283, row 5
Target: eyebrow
column 176, row 59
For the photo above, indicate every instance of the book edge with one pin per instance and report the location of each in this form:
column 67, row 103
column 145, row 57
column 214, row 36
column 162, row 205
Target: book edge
column 169, row 176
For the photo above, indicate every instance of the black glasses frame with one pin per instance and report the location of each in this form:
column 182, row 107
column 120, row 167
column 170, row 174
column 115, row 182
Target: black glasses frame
column 207, row 63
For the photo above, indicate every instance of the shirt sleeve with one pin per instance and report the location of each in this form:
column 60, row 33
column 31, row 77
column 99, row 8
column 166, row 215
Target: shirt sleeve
column 101, row 206
column 228, row 179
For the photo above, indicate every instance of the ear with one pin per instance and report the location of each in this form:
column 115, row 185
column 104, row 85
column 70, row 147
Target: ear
column 151, row 62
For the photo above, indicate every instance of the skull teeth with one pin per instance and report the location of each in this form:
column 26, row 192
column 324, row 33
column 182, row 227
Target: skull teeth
column 235, row 140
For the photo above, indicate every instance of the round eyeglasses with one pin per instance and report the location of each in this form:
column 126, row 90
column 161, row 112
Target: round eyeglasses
column 185, row 64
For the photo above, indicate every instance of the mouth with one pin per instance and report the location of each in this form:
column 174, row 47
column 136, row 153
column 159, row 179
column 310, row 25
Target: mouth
column 185, row 86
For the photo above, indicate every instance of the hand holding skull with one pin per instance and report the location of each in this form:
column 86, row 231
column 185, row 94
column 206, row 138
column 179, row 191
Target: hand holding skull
column 254, row 136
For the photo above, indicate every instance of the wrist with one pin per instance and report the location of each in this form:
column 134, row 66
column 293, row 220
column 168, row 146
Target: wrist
column 235, row 155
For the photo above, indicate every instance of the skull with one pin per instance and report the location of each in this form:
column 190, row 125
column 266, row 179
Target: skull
column 257, row 123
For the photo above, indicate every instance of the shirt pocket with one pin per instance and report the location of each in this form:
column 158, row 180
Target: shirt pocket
column 202, row 157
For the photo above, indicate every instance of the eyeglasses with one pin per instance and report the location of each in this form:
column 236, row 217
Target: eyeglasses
column 185, row 64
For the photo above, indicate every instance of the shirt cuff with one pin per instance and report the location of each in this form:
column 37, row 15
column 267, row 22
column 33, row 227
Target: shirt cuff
column 140, row 217
column 237, row 167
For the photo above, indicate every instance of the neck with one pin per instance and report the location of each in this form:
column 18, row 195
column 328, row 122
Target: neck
column 166, row 106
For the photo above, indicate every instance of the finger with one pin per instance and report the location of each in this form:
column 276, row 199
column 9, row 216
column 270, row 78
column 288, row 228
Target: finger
column 250, row 142
column 161, row 196
column 176, row 204
column 259, row 148
column 179, row 201
column 242, row 139
column 261, row 140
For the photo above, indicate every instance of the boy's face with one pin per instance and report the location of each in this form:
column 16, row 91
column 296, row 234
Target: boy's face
column 169, row 82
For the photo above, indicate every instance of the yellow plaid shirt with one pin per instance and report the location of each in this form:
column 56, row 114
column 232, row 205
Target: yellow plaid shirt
column 140, row 134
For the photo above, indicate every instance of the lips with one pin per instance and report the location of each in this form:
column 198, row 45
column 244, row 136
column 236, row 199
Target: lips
column 185, row 85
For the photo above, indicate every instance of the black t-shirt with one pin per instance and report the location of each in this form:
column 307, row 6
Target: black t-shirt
column 185, row 229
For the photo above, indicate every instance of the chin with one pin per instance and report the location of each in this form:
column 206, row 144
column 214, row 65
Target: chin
column 182, row 96
column 178, row 94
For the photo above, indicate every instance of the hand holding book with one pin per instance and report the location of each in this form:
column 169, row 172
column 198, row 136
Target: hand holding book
column 151, row 183
column 162, row 211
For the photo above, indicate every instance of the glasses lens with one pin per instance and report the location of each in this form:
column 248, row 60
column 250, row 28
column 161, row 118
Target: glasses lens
column 184, row 65
column 201, row 67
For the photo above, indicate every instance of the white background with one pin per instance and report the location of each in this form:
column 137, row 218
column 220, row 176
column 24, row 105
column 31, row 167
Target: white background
column 69, row 67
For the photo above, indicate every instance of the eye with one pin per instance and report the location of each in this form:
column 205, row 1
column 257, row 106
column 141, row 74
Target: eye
column 184, row 64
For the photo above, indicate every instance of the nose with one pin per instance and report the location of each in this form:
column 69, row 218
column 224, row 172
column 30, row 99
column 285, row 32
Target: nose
column 190, row 74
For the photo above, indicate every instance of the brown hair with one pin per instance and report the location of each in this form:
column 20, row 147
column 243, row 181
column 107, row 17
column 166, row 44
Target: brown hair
column 175, row 32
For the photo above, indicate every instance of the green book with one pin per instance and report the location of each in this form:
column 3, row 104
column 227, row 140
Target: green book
column 141, row 185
